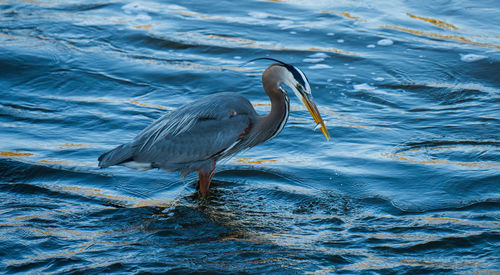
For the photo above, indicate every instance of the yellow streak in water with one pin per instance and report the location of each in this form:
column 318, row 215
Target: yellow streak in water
column 52, row 161
column 73, row 145
column 341, row 13
column 37, row 3
column 239, row 236
column 443, row 220
column 201, row 16
column 373, row 262
column 433, row 21
column 242, row 40
column 330, row 50
column 147, row 105
column 475, row 164
column 145, row 27
column 269, row 46
column 440, row 36
column 250, row 161
column 131, row 201
column 15, row 154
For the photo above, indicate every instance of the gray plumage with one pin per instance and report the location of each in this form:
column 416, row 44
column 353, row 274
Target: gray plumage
column 196, row 135
column 188, row 137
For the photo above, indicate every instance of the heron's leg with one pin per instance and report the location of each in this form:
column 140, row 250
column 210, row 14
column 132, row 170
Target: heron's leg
column 204, row 178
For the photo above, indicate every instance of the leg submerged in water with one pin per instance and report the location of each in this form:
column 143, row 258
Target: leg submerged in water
column 204, row 179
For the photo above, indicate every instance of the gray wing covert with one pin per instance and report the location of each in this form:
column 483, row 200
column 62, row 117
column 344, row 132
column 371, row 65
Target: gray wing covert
column 196, row 131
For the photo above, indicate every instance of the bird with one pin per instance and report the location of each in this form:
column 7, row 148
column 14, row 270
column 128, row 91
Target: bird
column 197, row 135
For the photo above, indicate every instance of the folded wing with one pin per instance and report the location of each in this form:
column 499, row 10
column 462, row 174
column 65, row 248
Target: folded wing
column 192, row 133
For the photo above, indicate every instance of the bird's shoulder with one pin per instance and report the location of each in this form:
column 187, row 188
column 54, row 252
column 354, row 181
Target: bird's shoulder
column 217, row 105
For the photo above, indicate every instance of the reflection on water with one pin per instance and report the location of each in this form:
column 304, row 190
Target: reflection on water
column 408, row 183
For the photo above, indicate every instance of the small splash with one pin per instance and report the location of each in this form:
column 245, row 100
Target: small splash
column 176, row 7
column 363, row 86
column 259, row 15
column 471, row 57
column 313, row 60
column 318, row 55
column 143, row 17
column 371, row 46
column 320, row 66
column 285, row 24
column 385, row 42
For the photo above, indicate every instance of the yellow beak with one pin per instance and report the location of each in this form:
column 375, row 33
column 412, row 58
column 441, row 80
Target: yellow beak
column 313, row 109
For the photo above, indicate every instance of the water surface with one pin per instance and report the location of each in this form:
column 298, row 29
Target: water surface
column 409, row 182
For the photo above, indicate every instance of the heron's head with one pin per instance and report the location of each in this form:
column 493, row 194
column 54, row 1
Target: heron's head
column 294, row 78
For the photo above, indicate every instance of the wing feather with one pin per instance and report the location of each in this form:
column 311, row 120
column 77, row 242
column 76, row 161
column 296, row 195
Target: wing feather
column 196, row 131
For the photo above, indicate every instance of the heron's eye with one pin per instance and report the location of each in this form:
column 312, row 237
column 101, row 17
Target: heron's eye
column 298, row 87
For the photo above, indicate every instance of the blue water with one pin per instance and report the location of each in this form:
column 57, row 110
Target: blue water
column 409, row 183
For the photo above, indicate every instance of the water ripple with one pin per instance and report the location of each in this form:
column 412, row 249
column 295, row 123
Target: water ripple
column 408, row 183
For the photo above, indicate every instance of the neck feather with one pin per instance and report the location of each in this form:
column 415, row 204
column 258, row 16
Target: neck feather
column 275, row 121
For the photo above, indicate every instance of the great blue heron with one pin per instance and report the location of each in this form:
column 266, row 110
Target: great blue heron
column 197, row 135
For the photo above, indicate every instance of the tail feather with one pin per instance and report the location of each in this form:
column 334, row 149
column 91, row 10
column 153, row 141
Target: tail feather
column 120, row 154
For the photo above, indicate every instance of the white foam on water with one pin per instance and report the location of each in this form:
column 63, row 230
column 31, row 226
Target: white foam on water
column 379, row 79
column 385, row 42
column 313, row 60
column 143, row 17
column 330, row 34
column 370, row 46
column 318, row 55
column 285, row 24
column 363, row 86
column 320, row 66
column 472, row 57
column 260, row 15
column 176, row 7
column 340, row 40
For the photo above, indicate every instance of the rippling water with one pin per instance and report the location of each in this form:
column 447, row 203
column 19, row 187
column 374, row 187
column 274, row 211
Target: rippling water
column 410, row 93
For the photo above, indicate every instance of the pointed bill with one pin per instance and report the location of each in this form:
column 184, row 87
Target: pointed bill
column 313, row 109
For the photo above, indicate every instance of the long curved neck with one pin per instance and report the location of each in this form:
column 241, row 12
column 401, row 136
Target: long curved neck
column 271, row 124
